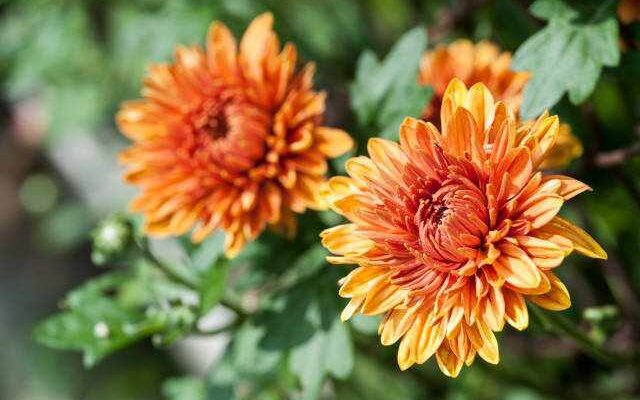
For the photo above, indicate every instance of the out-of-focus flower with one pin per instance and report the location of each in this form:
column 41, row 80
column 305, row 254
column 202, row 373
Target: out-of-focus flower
column 485, row 63
column 229, row 137
column 629, row 11
column 471, row 63
column 453, row 229
column 567, row 148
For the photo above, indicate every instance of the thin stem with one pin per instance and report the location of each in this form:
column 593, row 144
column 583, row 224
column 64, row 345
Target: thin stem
column 173, row 274
column 615, row 158
column 561, row 325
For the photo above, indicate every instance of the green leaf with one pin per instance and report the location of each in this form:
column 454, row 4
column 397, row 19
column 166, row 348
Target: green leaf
column 403, row 101
column 385, row 92
column 304, row 266
column 307, row 362
column 328, row 351
column 172, row 254
column 566, row 56
column 287, row 321
column 208, row 252
column 549, row 9
column 250, row 358
column 366, row 324
column 212, row 285
column 247, row 371
column 372, row 379
column 117, row 309
column 185, row 388
column 96, row 324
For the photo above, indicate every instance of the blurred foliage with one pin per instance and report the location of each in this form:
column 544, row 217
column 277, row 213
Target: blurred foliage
column 567, row 56
column 70, row 63
column 384, row 93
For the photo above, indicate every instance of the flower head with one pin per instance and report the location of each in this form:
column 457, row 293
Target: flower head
column 229, row 137
column 629, row 11
column 453, row 230
column 567, row 148
column 485, row 63
column 472, row 63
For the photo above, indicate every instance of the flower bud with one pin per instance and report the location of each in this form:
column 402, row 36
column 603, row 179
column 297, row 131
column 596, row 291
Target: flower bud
column 111, row 240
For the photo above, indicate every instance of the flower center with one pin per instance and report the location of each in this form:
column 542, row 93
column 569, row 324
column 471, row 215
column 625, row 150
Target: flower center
column 211, row 119
column 438, row 213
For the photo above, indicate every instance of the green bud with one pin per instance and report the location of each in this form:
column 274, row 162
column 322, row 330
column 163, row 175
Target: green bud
column 597, row 315
column 111, row 240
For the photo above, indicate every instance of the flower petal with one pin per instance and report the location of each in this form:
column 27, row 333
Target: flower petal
column 582, row 241
column 516, row 267
column 516, row 312
column 332, row 142
column 556, row 299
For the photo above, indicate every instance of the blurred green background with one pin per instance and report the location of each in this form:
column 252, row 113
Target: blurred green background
column 66, row 65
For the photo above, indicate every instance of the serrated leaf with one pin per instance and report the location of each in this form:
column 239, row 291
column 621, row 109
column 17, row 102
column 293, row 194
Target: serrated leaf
column 117, row 309
column 328, row 351
column 98, row 328
column 385, row 92
column 249, row 358
column 307, row 362
column 403, row 101
column 212, row 285
column 338, row 355
column 246, row 368
column 549, row 9
column 565, row 57
column 287, row 322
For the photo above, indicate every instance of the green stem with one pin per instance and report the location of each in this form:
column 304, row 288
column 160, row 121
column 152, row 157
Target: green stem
column 176, row 276
column 555, row 322
column 170, row 272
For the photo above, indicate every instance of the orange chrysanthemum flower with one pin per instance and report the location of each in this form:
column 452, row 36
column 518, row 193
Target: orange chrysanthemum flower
column 452, row 230
column 228, row 138
column 567, row 148
column 629, row 11
column 484, row 63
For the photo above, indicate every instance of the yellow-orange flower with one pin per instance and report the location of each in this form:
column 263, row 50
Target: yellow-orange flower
column 228, row 138
column 485, row 63
column 629, row 11
column 453, row 230
column 567, row 148
column 472, row 63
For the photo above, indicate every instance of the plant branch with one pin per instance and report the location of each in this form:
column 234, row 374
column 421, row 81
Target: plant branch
column 552, row 321
column 174, row 275
column 616, row 158
column 170, row 272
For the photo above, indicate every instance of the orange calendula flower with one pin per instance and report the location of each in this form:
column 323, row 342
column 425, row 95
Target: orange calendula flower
column 485, row 63
column 453, row 230
column 229, row 137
